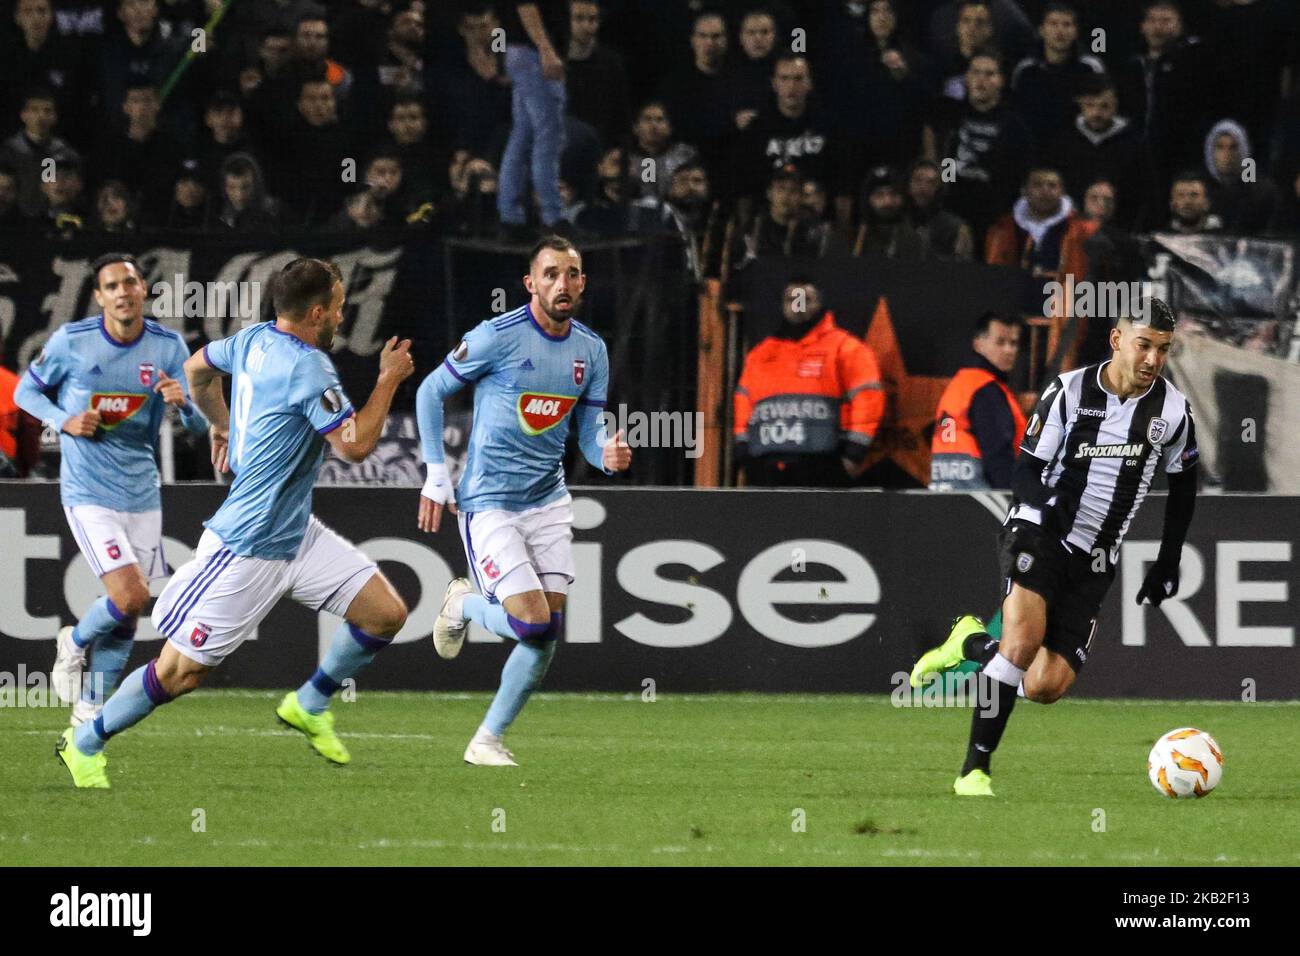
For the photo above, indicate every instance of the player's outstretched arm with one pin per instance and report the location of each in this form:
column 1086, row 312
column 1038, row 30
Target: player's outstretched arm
column 205, row 387
column 437, row 492
column 1162, row 580
column 359, row 436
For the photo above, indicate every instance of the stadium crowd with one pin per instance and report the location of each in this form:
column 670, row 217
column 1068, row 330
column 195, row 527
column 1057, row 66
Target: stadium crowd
column 1033, row 133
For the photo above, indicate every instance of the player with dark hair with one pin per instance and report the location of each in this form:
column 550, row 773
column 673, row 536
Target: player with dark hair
column 263, row 542
column 530, row 368
column 113, row 376
column 1090, row 453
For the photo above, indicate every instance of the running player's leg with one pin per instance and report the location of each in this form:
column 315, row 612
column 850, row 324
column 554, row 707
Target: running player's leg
column 1049, row 678
column 206, row 611
column 1024, row 615
column 331, row 574
column 128, row 589
column 101, row 640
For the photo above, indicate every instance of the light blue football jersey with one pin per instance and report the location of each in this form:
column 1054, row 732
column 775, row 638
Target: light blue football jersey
column 89, row 369
column 285, row 396
column 526, row 384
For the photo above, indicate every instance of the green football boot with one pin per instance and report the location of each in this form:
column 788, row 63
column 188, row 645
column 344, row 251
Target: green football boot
column 88, row 770
column 949, row 654
column 977, row 783
column 318, row 728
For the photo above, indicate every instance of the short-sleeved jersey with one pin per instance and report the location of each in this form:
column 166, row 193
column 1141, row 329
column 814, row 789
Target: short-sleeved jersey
column 285, row 396
column 527, row 382
column 89, row 369
column 1106, row 450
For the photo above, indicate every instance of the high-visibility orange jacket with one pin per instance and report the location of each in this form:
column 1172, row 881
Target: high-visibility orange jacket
column 817, row 395
column 8, row 413
column 959, row 459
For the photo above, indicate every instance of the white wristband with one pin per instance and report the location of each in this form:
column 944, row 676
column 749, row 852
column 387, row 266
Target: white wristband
column 437, row 484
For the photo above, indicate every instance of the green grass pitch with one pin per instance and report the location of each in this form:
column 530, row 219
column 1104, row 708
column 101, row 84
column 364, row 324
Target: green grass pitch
column 610, row 780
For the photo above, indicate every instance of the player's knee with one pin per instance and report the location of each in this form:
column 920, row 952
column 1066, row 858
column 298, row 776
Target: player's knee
column 131, row 600
column 1045, row 691
column 177, row 682
column 391, row 617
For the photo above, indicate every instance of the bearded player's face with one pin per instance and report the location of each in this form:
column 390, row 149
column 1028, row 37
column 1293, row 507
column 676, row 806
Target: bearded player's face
column 1140, row 352
column 556, row 281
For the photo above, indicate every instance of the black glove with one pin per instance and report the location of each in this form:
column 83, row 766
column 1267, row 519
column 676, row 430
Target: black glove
column 1161, row 582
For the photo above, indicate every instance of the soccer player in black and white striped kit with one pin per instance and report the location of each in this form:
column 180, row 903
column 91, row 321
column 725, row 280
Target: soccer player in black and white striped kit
column 1090, row 452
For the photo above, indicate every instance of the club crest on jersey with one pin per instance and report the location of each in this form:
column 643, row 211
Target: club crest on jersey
column 199, row 636
column 579, row 371
column 1156, row 430
column 113, row 548
column 116, row 407
column 1024, row 562
column 539, row 412
column 146, row 373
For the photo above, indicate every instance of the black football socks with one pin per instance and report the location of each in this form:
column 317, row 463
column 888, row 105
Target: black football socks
column 999, row 680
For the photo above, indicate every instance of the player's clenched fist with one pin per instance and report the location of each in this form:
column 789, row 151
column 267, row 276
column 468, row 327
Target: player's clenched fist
column 436, row 493
column 617, row 454
column 82, row 425
column 395, row 360
column 170, row 390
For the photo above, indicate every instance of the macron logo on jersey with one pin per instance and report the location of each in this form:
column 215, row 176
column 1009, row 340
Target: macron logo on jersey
column 539, row 412
column 116, row 407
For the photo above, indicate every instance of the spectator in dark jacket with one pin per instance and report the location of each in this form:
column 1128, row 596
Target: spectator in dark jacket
column 26, row 151
column 38, row 54
column 944, row 234
column 875, row 84
column 1103, row 144
column 699, row 95
column 136, row 51
column 245, row 205
column 988, row 143
column 1166, row 89
column 595, row 78
column 751, row 73
column 1044, row 86
column 1240, row 194
column 143, row 155
column 1189, row 205
column 885, row 229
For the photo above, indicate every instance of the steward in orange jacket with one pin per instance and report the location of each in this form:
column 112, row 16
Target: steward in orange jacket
column 808, row 403
column 978, row 425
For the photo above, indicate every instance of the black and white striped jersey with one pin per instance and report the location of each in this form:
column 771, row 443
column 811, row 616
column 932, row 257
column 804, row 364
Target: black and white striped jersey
column 1105, row 451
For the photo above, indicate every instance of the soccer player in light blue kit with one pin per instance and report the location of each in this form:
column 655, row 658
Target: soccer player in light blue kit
column 530, row 369
column 263, row 542
column 112, row 376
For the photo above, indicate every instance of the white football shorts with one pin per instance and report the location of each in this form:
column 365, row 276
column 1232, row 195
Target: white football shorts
column 114, row 539
column 510, row 552
column 213, row 603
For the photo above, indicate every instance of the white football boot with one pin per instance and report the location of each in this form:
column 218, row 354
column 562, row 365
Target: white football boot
column 69, row 662
column 488, row 750
column 450, row 628
column 83, row 711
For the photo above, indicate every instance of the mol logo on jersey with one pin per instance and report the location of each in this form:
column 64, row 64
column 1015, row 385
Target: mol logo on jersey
column 539, row 412
column 116, row 407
